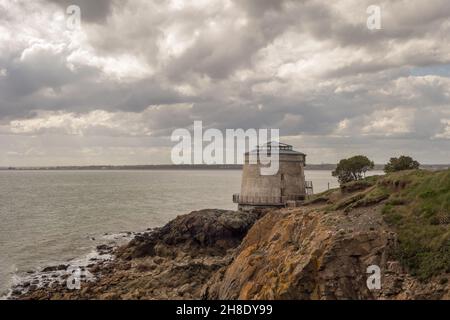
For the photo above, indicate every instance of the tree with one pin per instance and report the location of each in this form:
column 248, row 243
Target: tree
column 352, row 168
column 401, row 163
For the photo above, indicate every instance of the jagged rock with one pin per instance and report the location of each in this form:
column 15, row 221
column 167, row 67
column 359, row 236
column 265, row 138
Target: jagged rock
column 55, row 268
column 301, row 254
column 174, row 261
column 211, row 231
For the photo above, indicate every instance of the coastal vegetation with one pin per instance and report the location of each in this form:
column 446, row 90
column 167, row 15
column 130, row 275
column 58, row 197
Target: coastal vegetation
column 401, row 163
column 416, row 205
column 419, row 210
column 352, row 168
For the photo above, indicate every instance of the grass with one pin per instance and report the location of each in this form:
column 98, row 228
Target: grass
column 416, row 204
column 418, row 209
column 367, row 193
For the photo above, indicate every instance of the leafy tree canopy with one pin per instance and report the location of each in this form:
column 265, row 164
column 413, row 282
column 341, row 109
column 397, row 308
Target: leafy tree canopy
column 401, row 163
column 352, row 168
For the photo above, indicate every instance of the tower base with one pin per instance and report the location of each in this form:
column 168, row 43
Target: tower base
column 252, row 207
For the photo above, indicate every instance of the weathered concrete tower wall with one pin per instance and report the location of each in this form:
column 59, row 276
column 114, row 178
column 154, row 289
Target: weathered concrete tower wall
column 273, row 190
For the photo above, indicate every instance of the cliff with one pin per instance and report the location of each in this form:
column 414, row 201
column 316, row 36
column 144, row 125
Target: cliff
column 321, row 250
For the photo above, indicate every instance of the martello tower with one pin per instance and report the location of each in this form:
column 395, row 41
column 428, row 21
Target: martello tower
column 286, row 187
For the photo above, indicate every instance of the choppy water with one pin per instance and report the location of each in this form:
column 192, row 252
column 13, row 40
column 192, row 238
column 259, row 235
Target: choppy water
column 49, row 217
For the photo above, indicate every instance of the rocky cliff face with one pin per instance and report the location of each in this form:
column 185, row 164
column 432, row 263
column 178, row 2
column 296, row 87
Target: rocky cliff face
column 311, row 254
column 206, row 232
column 172, row 262
column 321, row 250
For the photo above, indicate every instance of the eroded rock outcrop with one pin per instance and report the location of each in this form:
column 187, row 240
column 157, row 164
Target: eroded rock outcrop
column 210, row 232
column 172, row 262
column 293, row 254
column 322, row 251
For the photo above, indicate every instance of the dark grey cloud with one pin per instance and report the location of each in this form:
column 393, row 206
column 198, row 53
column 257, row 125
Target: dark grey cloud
column 93, row 11
column 257, row 8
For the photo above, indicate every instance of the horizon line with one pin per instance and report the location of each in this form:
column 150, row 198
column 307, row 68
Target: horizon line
column 198, row 166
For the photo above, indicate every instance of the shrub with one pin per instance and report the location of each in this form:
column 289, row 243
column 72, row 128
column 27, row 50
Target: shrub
column 352, row 168
column 400, row 164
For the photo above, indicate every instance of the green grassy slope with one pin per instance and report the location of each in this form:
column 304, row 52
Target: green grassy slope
column 416, row 204
column 418, row 208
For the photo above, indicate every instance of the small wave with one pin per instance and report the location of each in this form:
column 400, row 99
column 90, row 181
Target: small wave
column 59, row 274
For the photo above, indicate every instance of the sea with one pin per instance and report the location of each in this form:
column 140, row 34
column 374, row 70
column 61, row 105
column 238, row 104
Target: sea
column 51, row 217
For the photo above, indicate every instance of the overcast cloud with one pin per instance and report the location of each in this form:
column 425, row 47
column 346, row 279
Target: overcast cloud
column 113, row 91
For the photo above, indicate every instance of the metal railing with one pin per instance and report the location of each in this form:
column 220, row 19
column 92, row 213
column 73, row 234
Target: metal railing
column 309, row 188
column 266, row 200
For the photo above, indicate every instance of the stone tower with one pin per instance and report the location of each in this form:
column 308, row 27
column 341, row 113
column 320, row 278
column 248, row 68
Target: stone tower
column 284, row 188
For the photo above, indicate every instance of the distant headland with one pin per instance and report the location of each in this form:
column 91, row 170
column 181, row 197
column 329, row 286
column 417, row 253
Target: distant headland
column 324, row 166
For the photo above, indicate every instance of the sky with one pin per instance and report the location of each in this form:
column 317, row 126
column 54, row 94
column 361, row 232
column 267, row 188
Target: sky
column 113, row 90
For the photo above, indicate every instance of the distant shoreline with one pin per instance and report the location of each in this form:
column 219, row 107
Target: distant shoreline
column 191, row 167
